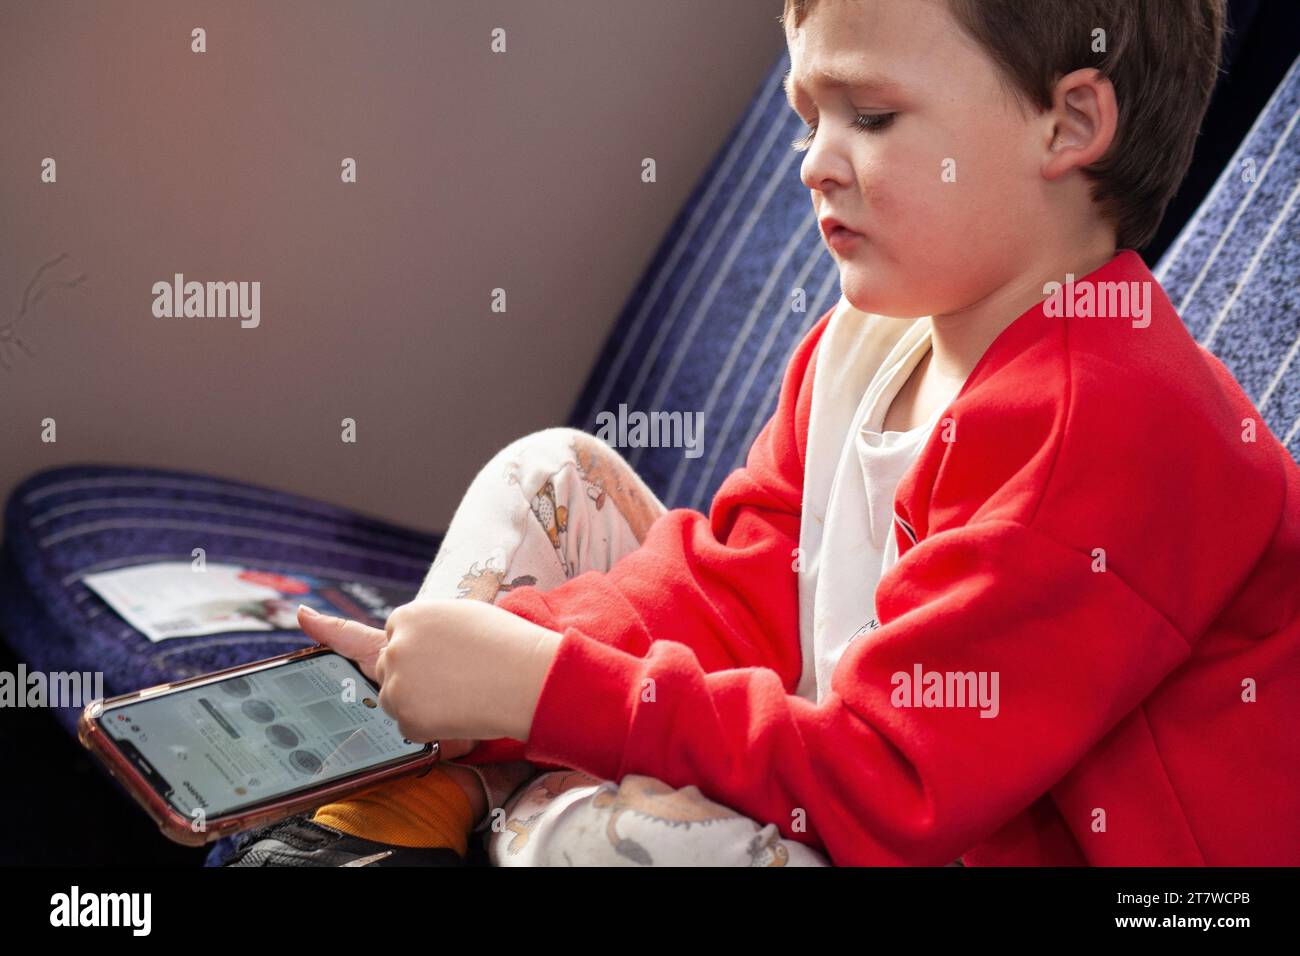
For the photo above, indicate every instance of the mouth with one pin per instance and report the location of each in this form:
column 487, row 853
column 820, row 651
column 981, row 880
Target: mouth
column 839, row 236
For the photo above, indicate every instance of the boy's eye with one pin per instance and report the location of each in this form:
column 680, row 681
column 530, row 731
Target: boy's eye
column 864, row 122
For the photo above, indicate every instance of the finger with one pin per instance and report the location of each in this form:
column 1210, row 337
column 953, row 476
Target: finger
column 415, row 735
column 451, row 749
column 352, row 639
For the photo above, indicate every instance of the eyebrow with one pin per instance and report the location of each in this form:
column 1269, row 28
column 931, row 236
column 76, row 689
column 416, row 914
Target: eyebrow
column 837, row 79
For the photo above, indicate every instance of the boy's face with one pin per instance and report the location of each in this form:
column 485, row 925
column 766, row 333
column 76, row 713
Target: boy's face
column 929, row 246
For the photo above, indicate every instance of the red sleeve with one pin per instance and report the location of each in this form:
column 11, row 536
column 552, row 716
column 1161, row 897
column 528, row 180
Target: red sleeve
column 724, row 585
column 859, row 775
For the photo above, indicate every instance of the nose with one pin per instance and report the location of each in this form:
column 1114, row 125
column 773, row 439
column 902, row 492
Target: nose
column 824, row 165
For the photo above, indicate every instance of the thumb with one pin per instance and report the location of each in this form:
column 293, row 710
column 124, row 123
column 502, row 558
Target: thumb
column 352, row 639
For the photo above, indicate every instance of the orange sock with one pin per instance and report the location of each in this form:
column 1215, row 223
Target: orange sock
column 426, row 811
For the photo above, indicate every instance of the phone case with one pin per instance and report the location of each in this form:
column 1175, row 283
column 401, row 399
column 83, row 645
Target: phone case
column 179, row 828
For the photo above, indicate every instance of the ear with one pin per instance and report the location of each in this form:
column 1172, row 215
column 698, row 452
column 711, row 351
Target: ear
column 1081, row 122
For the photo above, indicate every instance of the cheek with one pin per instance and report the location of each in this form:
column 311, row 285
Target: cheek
column 958, row 202
column 998, row 182
column 920, row 249
column 907, row 195
column 937, row 229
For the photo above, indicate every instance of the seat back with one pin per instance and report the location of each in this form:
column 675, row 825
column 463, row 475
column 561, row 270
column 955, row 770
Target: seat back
column 1231, row 273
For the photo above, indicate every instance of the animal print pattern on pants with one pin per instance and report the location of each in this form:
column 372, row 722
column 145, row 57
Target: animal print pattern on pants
column 546, row 508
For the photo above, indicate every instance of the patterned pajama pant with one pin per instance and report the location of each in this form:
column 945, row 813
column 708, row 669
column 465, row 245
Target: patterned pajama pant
column 547, row 507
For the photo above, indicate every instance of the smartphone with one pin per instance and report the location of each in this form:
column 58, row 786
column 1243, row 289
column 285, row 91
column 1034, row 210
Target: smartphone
column 249, row 745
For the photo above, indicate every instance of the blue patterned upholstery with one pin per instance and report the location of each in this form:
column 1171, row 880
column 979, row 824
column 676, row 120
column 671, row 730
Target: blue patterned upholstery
column 1231, row 273
column 64, row 523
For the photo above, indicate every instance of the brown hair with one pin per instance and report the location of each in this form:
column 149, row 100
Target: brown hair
column 1161, row 56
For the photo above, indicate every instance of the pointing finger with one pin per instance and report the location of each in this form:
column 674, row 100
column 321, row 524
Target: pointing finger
column 352, row 639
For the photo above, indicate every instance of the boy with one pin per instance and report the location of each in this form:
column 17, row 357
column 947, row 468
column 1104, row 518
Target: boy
column 1013, row 581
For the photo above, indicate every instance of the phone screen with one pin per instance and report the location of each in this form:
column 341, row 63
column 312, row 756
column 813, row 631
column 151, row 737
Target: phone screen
column 246, row 739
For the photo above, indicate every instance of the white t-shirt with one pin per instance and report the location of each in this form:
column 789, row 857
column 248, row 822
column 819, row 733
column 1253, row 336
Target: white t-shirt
column 848, row 543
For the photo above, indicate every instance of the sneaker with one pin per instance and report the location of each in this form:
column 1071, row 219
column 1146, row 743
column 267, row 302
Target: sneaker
column 300, row 841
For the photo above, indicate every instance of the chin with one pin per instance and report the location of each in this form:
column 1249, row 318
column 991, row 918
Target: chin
column 870, row 292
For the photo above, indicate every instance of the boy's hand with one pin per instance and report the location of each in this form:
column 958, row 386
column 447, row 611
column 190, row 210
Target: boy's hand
column 457, row 671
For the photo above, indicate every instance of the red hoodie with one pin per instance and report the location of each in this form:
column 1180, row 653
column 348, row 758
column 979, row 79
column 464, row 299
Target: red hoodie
column 1100, row 533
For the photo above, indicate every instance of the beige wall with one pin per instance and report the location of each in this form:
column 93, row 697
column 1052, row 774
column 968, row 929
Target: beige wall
column 475, row 170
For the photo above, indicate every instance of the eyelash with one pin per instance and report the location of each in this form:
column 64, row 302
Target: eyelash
column 864, row 122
